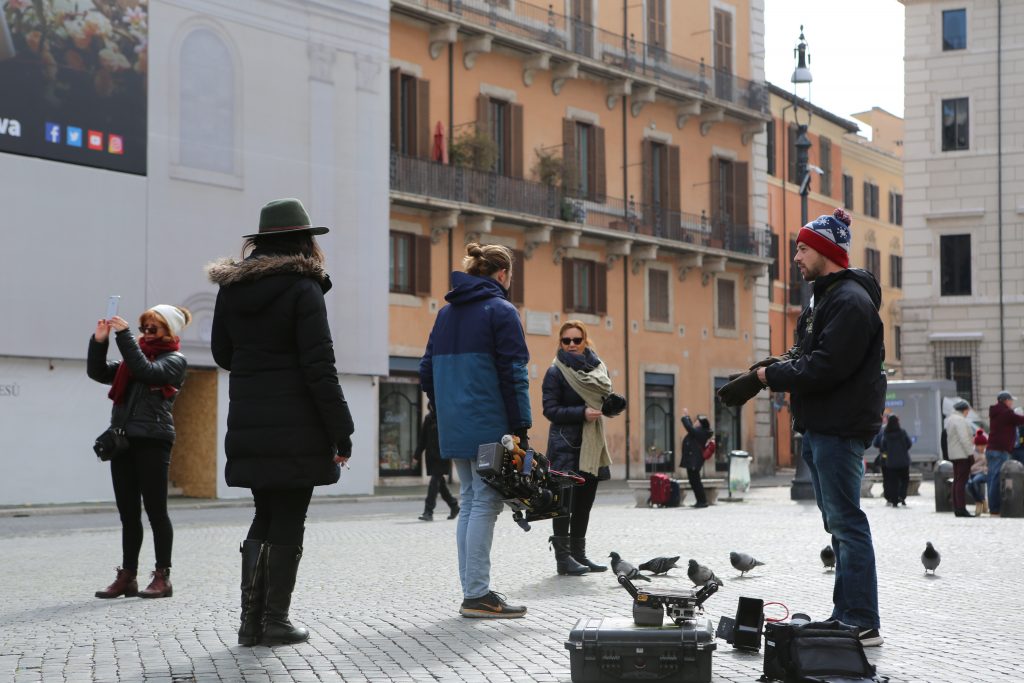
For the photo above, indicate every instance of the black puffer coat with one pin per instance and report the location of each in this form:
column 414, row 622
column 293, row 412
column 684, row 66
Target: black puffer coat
column 566, row 411
column 145, row 413
column 697, row 436
column 288, row 416
column 428, row 444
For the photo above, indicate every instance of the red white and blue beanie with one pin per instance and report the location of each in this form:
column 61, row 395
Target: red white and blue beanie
column 829, row 236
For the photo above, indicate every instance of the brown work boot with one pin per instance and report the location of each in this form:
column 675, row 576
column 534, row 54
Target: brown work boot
column 125, row 584
column 160, row 586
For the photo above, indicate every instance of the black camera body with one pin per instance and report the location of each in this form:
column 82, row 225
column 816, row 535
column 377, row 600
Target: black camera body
column 526, row 483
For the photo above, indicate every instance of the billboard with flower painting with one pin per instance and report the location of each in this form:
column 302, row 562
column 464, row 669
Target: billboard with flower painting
column 73, row 81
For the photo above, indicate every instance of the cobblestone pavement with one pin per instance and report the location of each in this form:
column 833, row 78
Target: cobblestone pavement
column 379, row 592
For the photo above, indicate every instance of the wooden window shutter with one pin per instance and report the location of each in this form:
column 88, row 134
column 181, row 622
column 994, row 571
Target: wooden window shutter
column 517, row 294
column 600, row 289
column 715, row 184
column 515, row 139
column 599, row 178
column 396, row 109
column 483, row 110
column 422, row 121
column 647, row 157
column 791, row 151
column 568, row 269
column 741, row 193
column 569, row 154
column 421, row 274
column 591, row 188
column 673, row 181
column 867, row 198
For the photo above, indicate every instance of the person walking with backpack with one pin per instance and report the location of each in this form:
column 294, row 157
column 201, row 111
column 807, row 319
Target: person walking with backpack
column 894, row 443
column 143, row 388
column 692, row 457
column 289, row 426
column 574, row 388
column 437, row 467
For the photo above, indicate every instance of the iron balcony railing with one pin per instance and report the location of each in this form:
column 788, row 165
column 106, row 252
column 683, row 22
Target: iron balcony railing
column 545, row 25
column 411, row 175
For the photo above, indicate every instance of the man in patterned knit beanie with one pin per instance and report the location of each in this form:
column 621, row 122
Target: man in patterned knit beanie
column 836, row 383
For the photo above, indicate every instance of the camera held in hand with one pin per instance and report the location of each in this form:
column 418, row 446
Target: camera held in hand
column 525, row 481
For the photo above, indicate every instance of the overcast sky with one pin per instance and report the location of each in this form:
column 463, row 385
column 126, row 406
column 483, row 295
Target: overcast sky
column 856, row 50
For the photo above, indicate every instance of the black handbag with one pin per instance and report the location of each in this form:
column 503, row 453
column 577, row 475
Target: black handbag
column 815, row 651
column 613, row 404
column 110, row 444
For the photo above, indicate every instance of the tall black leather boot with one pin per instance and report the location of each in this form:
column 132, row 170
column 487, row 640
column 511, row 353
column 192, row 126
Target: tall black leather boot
column 566, row 565
column 254, row 558
column 282, row 565
column 578, row 551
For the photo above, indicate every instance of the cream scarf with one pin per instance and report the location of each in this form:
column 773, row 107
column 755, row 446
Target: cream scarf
column 592, row 387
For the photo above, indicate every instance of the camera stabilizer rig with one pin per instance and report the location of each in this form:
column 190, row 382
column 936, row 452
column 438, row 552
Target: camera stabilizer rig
column 525, row 480
column 681, row 605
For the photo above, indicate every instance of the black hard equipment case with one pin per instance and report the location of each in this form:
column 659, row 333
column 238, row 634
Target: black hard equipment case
column 603, row 649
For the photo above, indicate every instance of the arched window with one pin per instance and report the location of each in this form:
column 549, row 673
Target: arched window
column 207, row 119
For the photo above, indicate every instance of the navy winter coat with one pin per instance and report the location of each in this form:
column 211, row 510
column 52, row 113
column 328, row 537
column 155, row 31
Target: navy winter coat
column 896, row 446
column 697, row 436
column 475, row 367
column 566, row 411
column 287, row 416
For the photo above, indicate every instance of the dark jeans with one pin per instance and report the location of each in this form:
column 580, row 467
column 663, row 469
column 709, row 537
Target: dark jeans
column 141, row 473
column 995, row 460
column 837, row 469
column 576, row 523
column 438, row 485
column 961, row 473
column 696, row 485
column 894, row 483
column 280, row 517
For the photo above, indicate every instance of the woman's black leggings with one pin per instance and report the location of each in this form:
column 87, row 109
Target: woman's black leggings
column 141, row 473
column 280, row 517
column 575, row 524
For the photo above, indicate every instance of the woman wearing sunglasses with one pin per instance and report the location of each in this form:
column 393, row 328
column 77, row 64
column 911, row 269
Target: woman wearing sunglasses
column 143, row 388
column 574, row 387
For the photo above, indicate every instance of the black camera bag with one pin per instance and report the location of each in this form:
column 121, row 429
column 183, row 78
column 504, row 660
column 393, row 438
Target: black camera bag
column 814, row 651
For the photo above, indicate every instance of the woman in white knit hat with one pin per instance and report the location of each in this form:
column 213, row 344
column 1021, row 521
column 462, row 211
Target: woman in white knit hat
column 143, row 388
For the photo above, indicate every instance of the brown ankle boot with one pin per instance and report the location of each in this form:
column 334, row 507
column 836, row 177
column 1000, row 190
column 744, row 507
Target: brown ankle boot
column 160, row 586
column 125, row 584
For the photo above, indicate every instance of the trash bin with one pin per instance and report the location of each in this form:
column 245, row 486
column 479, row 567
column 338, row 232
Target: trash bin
column 739, row 475
column 1011, row 488
column 944, row 486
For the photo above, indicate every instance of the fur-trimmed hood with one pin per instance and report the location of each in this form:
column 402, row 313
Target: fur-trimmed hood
column 226, row 271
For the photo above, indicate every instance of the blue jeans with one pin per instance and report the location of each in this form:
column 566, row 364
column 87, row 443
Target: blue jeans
column 995, row 460
column 480, row 507
column 837, row 468
column 976, row 484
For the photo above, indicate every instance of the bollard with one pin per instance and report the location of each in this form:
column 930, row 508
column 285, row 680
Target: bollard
column 944, row 486
column 1011, row 488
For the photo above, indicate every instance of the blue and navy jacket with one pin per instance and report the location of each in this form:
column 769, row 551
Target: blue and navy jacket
column 474, row 369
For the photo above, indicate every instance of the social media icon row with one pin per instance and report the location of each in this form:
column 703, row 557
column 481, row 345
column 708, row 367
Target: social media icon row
column 93, row 139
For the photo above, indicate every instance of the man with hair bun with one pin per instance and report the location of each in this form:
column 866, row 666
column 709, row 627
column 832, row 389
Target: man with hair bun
column 474, row 371
column 837, row 393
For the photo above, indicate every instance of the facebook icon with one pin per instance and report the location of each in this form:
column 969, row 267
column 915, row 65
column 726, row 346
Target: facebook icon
column 53, row 132
column 74, row 136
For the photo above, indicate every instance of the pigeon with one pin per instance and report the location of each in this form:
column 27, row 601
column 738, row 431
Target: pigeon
column 620, row 566
column 701, row 575
column 930, row 558
column 660, row 565
column 828, row 557
column 744, row 562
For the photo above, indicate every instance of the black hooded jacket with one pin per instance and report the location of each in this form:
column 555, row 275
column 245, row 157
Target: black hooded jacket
column 287, row 416
column 837, row 384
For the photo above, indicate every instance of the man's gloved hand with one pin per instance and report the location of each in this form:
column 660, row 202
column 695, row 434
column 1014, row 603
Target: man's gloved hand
column 524, row 440
column 765, row 362
column 741, row 389
column 736, row 375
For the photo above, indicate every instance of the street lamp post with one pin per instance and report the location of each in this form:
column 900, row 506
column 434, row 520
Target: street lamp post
column 801, row 487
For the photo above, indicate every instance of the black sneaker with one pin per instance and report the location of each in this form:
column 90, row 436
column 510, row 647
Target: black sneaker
column 491, row 606
column 426, row 517
column 454, row 513
column 870, row 637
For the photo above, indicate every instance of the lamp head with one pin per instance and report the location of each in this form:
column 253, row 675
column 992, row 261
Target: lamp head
column 802, row 73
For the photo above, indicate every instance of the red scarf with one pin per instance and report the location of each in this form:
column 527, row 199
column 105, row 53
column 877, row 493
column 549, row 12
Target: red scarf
column 151, row 349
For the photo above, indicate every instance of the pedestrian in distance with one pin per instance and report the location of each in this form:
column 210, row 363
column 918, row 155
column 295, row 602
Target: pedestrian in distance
column 437, row 467
column 573, row 390
column 960, row 447
column 977, row 481
column 1002, row 435
column 289, row 426
column 474, row 371
column 837, row 390
column 692, row 457
column 144, row 385
column 894, row 443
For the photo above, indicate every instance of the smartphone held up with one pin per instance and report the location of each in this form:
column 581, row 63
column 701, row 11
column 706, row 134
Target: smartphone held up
column 113, row 302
